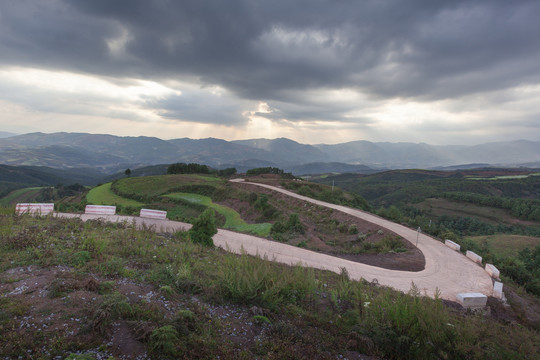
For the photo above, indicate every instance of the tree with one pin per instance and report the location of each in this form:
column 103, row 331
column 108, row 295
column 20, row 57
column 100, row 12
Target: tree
column 128, row 172
column 204, row 228
column 192, row 168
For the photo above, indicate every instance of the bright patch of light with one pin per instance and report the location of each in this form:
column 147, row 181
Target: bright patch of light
column 65, row 82
column 406, row 113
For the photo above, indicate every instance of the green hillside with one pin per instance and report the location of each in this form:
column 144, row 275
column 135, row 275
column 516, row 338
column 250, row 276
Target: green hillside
column 233, row 220
column 467, row 206
column 258, row 211
column 18, row 177
column 102, row 195
column 94, row 290
column 20, row 196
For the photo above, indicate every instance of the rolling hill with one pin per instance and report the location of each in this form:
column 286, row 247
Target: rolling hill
column 114, row 153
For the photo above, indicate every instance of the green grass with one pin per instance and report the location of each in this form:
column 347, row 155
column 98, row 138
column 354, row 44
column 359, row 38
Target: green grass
column 233, row 220
column 103, row 195
column 151, row 186
column 503, row 245
column 20, row 195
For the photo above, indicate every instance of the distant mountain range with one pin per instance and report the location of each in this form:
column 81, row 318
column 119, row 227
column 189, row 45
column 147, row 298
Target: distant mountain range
column 111, row 154
column 5, row 134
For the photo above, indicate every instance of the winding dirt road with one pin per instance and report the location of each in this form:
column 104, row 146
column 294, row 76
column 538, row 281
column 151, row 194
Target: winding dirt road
column 446, row 271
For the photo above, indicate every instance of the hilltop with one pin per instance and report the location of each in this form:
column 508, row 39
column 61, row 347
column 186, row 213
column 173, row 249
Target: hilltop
column 244, row 208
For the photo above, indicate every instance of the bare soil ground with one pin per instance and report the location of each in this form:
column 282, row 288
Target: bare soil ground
column 60, row 303
column 327, row 230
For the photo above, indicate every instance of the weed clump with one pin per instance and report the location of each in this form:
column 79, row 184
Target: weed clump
column 163, row 340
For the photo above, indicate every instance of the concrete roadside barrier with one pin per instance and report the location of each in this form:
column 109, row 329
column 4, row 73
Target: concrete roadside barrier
column 492, row 271
column 153, row 214
column 100, row 210
column 452, row 245
column 34, row 209
column 472, row 300
column 498, row 290
column 474, row 257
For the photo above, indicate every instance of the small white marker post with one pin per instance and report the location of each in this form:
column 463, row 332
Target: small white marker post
column 418, row 231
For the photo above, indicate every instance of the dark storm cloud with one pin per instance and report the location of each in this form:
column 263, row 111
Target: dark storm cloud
column 200, row 107
column 264, row 49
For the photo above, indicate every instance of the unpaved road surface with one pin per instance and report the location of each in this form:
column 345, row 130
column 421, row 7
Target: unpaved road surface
column 446, row 271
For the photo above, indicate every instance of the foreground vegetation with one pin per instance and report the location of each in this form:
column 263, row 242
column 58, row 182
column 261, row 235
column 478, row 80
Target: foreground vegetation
column 99, row 289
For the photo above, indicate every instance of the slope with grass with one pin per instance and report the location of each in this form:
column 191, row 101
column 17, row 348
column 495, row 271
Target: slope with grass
column 20, row 196
column 233, row 220
column 112, row 290
column 503, row 245
column 255, row 211
column 102, row 195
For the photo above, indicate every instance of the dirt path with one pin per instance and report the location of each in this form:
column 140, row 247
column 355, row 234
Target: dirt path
column 446, row 271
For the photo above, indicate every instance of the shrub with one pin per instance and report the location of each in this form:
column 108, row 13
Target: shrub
column 292, row 226
column 204, row 228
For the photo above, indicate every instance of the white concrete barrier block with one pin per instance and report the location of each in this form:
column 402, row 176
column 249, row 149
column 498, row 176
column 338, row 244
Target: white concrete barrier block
column 34, row 209
column 474, row 257
column 492, row 271
column 452, row 245
column 472, row 300
column 153, row 214
column 100, row 210
column 498, row 290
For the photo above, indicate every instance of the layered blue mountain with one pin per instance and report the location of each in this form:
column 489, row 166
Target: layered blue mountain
column 110, row 154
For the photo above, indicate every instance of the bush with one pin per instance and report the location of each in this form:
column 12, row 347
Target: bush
column 204, row 228
column 292, row 226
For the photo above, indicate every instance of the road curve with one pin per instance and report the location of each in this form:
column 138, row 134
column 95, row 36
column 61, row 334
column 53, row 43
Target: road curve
column 446, row 271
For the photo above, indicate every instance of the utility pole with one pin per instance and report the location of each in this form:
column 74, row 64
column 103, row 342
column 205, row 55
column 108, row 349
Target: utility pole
column 332, row 185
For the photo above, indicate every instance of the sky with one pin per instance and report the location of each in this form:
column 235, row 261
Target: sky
column 315, row 71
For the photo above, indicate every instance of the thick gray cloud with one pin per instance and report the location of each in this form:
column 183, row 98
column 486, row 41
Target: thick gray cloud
column 280, row 51
column 432, row 49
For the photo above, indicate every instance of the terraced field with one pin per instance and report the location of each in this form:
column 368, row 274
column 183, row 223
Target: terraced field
column 20, row 195
column 103, row 195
